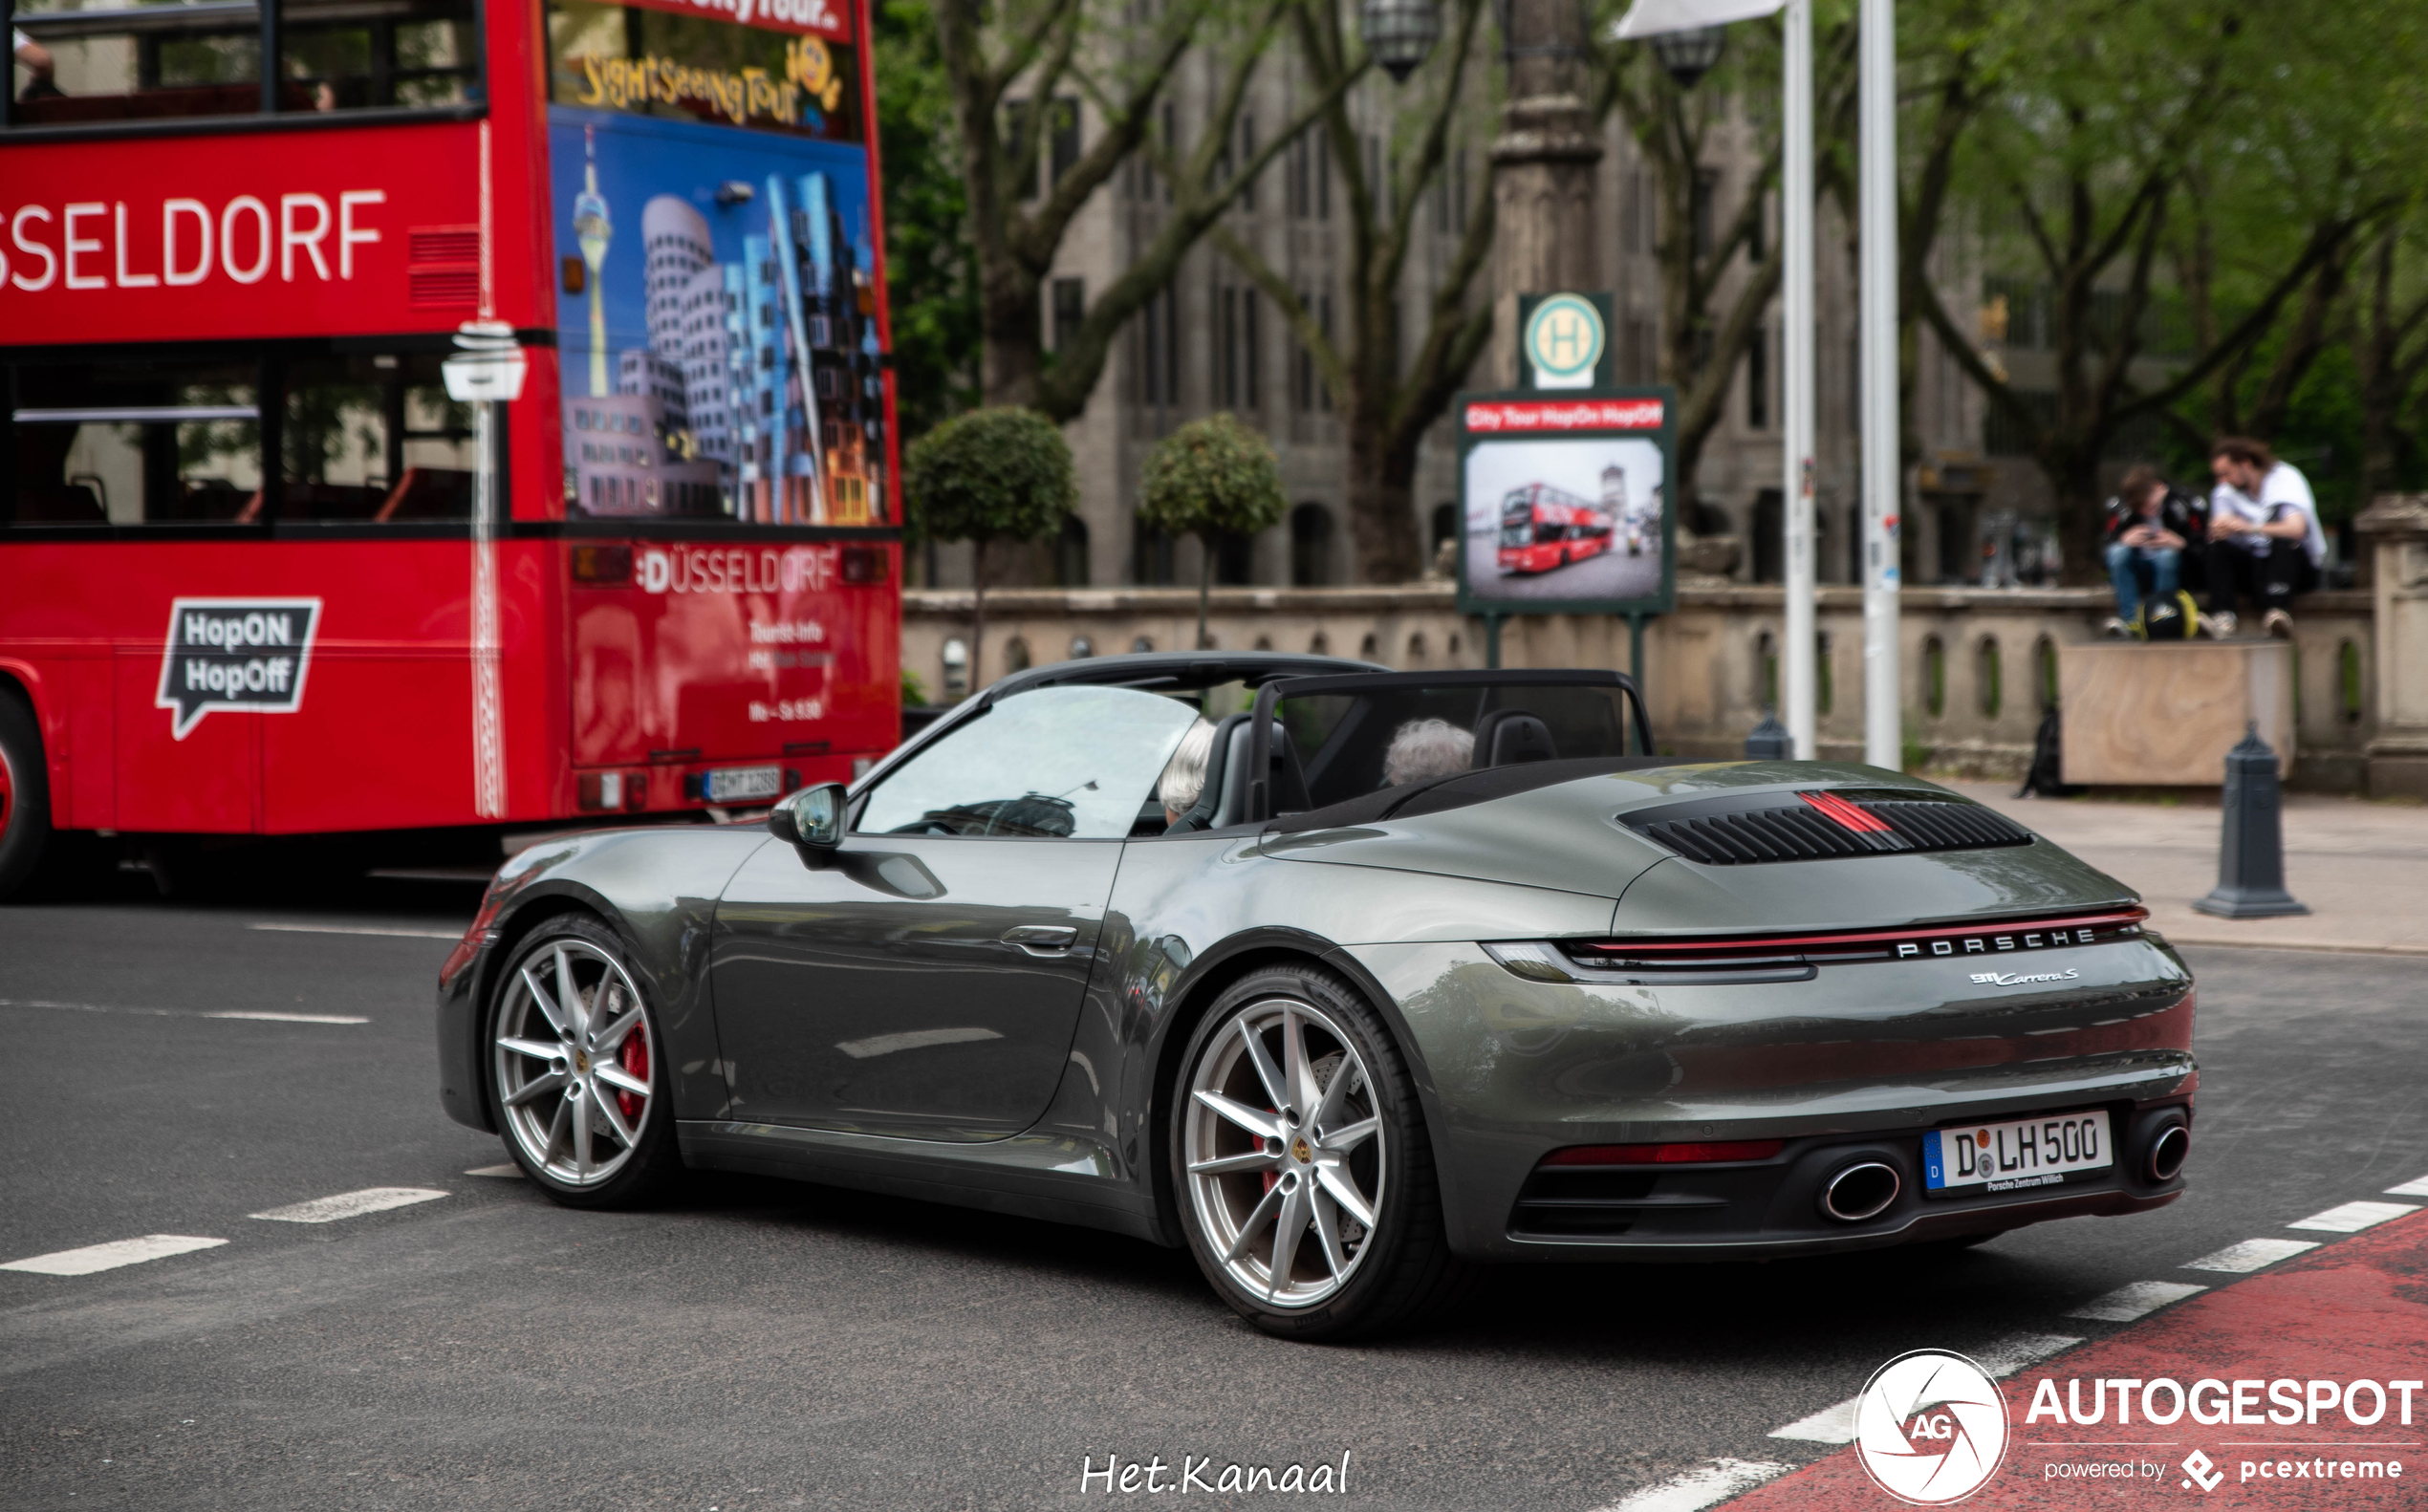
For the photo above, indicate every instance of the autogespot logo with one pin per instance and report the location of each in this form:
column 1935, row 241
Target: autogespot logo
column 1930, row 1427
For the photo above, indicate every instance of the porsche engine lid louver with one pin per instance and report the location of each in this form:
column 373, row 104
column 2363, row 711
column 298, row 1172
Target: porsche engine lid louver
column 1750, row 829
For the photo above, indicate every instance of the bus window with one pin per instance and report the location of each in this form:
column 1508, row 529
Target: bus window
column 130, row 442
column 367, row 437
column 703, row 68
column 169, row 62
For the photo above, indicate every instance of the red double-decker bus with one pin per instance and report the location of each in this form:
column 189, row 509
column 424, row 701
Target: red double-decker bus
column 1543, row 528
column 267, row 569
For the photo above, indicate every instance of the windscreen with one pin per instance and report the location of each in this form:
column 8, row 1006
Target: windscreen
column 1351, row 744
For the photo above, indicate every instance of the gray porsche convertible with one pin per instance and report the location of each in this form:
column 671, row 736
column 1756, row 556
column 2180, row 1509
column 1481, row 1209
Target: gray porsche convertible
column 1349, row 981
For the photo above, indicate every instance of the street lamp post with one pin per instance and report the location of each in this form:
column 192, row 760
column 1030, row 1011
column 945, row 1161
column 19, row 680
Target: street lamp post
column 1399, row 34
column 1883, row 733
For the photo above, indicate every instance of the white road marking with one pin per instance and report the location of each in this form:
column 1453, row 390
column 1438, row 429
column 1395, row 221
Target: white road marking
column 2252, row 1254
column 1706, row 1485
column 112, row 1255
column 397, row 931
column 271, row 1015
column 351, row 1204
column 509, row 1170
column 2000, row 1357
column 268, row 1017
column 2351, row 1218
column 89, row 1008
column 2413, row 1188
column 912, row 1040
column 2139, row 1300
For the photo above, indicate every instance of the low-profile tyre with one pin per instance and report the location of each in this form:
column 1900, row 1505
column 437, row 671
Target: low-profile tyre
column 578, row 1076
column 25, row 796
column 1305, row 1179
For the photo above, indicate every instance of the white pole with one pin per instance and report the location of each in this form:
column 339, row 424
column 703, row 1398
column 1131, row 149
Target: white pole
column 1796, row 374
column 1883, row 735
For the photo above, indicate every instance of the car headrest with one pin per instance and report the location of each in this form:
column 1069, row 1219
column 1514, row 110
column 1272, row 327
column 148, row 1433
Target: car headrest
column 1506, row 737
column 1218, row 764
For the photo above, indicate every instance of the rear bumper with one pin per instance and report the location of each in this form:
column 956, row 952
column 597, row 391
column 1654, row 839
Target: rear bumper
column 1856, row 1065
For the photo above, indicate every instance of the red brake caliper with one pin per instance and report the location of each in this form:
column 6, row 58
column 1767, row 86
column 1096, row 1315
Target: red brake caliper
column 636, row 1059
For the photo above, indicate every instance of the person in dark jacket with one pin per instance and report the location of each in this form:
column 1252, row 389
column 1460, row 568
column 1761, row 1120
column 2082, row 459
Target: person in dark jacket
column 2151, row 525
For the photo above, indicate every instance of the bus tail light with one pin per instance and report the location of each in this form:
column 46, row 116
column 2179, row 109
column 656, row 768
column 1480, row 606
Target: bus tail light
column 864, row 564
column 602, row 567
column 603, row 790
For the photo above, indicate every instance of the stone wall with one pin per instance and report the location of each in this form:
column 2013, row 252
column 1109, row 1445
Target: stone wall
column 1972, row 665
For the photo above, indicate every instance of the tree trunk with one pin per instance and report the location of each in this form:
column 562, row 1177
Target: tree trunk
column 2082, row 514
column 1013, row 353
column 978, row 616
column 1381, row 498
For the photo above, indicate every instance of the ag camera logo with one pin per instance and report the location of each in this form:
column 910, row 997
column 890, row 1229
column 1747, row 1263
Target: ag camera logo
column 1930, row 1427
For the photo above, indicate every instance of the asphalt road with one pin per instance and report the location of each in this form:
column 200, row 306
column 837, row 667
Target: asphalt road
column 765, row 1344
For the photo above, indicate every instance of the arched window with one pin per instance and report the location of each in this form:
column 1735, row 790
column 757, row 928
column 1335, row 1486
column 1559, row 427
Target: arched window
column 1082, row 648
column 1368, row 648
column 1990, row 676
column 1144, row 643
column 2348, row 701
column 1235, row 560
column 1933, row 676
column 1446, row 525
column 1824, row 686
column 1015, row 655
column 1310, row 546
column 1415, row 649
column 1070, row 553
column 2044, row 655
column 1766, row 671
column 1153, row 557
column 1319, row 644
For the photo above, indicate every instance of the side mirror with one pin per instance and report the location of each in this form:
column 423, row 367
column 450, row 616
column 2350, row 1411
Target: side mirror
column 811, row 821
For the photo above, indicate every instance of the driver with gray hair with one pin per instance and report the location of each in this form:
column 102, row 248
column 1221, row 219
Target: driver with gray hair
column 1184, row 779
column 1424, row 748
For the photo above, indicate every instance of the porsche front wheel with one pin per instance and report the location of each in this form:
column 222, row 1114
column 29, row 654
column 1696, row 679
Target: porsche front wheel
column 577, row 1070
column 1304, row 1177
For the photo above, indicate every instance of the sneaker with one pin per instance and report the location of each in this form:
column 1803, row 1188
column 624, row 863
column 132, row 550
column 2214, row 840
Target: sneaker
column 2115, row 629
column 2219, row 625
column 2278, row 623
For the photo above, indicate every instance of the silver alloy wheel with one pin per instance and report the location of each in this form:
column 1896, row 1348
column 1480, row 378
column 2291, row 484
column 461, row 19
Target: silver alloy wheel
column 576, row 1067
column 1283, row 1136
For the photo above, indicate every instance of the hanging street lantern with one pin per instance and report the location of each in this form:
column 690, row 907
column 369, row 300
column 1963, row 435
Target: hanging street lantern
column 1399, row 34
column 1688, row 56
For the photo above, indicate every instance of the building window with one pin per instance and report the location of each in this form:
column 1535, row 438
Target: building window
column 1235, row 560
column 1152, row 564
column 1070, row 310
column 1063, row 139
column 1248, row 156
column 1070, row 553
column 1758, row 380
column 1699, row 214
column 956, row 670
column 1310, row 546
column 1227, row 348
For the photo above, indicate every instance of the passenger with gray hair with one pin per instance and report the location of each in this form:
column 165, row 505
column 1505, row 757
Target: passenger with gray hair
column 1424, row 748
column 1184, row 779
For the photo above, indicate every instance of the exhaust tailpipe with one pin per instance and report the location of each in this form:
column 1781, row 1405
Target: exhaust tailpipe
column 2167, row 1153
column 1861, row 1192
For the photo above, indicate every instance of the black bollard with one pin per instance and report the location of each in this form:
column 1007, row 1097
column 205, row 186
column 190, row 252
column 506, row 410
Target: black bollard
column 2251, row 855
column 1770, row 741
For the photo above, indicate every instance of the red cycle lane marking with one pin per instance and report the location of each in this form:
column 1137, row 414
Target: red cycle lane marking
column 2357, row 1308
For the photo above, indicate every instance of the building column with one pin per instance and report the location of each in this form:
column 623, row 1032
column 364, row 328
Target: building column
column 1544, row 166
column 2396, row 526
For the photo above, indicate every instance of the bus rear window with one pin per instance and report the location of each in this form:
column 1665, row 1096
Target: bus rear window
column 369, row 437
column 78, row 64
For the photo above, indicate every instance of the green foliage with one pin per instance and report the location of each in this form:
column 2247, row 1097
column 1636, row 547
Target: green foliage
column 914, row 690
column 1212, row 477
column 931, row 277
column 990, row 474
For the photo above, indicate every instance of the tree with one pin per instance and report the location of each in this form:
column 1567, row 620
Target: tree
column 931, row 274
column 1211, row 477
column 1387, row 394
column 1000, row 473
column 2392, row 351
column 1708, row 318
column 2105, row 142
column 1042, row 46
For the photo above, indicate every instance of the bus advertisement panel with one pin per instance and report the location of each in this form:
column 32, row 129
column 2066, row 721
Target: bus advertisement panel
column 1564, row 502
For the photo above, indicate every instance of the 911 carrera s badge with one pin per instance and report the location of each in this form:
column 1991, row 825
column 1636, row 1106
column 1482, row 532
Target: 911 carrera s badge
column 2021, row 979
column 235, row 654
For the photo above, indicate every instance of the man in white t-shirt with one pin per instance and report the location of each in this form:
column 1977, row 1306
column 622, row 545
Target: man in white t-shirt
column 2265, row 541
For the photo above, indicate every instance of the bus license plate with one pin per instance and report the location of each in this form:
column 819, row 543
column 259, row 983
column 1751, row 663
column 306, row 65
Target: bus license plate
column 2012, row 1156
column 733, row 782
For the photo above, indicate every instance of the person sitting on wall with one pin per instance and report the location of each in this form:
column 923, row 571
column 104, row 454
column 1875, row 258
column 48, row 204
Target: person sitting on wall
column 1424, row 748
column 2265, row 541
column 2151, row 525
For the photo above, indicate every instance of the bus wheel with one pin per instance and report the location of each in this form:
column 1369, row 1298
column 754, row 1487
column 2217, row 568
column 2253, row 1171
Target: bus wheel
column 25, row 795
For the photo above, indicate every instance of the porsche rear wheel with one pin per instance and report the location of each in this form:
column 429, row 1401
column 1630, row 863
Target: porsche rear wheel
column 578, row 1070
column 1305, row 1179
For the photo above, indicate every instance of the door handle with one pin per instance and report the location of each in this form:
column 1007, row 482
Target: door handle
column 1042, row 939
